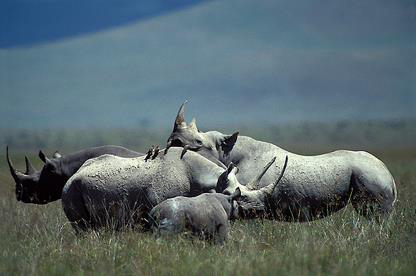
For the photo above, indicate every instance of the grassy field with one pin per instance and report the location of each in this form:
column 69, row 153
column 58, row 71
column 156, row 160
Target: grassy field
column 38, row 240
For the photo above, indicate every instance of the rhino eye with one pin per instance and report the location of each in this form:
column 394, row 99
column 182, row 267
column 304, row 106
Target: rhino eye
column 199, row 142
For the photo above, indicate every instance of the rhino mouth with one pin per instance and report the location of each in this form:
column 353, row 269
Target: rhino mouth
column 251, row 213
column 177, row 143
column 19, row 192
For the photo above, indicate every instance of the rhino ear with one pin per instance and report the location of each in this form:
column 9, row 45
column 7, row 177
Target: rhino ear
column 232, row 168
column 229, row 140
column 57, row 155
column 222, row 182
column 236, row 195
column 180, row 118
column 42, row 156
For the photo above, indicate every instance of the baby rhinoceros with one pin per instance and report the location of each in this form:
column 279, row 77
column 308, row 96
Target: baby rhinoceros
column 205, row 216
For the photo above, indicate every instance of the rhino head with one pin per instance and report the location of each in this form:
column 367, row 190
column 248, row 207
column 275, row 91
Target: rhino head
column 213, row 145
column 34, row 186
column 252, row 202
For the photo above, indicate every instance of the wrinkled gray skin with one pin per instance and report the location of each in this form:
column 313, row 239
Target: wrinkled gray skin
column 111, row 191
column 44, row 186
column 313, row 187
column 116, row 190
column 251, row 203
column 205, row 216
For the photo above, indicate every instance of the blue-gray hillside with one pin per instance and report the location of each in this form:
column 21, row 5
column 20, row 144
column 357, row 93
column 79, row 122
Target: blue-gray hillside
column 237, row 61
column 27, row 22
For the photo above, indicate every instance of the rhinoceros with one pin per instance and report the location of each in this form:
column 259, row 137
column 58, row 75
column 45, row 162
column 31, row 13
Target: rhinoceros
column 44, row 186
column 313, row 187
column 205, row 216
column 114, row 191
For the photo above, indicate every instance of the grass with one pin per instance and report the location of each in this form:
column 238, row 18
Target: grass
column 38, row 240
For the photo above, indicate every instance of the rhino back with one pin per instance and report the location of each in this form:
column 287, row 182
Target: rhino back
column 318, row 178
column 112, row 178
column 203, row 214
column 305, row 174
column 251, row 156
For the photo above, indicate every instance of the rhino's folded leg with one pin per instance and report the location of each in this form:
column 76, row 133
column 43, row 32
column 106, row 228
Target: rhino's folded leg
column 221, row 235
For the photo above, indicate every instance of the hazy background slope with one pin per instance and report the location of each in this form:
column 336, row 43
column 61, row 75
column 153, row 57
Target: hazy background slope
column 237, row 61
column 309, row 76
column 28, row 22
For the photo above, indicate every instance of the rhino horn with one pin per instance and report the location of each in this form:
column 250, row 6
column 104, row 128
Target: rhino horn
column 29, row 167
column 185, row 149
column 255, row 183
column 180, row 118
column 232, row 167
column 270, row 188
column 16, row 175
column 168, row 145
column 235, row 195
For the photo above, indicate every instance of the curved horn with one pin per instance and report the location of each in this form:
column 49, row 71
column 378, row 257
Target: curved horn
column 168, row 145
column 185, row 149
column 29, row 167
column 255, row 183
column 180, row 118
column 12, row 169
column 270, row 188
column 231, row 167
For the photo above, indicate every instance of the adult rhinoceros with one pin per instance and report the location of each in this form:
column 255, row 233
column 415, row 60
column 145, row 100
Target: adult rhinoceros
column 208, row 214
column 114, row 191
column 314, row 186
column 44, row 186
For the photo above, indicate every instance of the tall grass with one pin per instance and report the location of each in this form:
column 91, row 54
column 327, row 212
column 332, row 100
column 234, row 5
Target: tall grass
column 39, row 240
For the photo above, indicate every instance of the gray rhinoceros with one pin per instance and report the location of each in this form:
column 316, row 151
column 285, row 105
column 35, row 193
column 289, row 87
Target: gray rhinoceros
column 205, row 216
column 314, row 186
column 114, row 191
column 44, row 186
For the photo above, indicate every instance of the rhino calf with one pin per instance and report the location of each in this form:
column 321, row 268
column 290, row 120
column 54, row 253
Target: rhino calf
column 205, row 216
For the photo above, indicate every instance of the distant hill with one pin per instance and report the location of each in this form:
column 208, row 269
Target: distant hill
column 28, row 22
column 373, row 135
column 239, row 62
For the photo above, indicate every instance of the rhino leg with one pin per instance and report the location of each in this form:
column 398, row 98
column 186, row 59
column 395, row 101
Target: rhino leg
column 221, row 235
column 75, row 209
column 78, row 218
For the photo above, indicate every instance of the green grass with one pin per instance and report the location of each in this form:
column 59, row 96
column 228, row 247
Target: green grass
column 38, row 240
